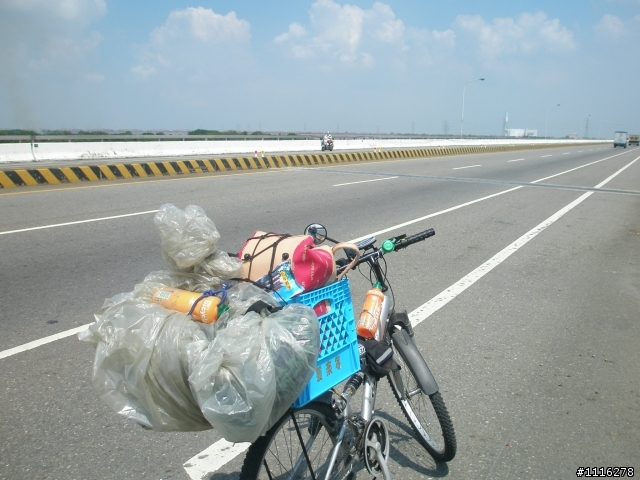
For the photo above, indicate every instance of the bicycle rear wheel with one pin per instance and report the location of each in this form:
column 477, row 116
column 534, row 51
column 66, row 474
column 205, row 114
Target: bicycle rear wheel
column 299, row 443
column 427, row 414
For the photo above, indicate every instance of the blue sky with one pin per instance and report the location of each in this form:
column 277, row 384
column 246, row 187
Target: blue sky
column 361, row 66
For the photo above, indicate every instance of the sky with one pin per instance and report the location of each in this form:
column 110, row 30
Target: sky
column 293, row 65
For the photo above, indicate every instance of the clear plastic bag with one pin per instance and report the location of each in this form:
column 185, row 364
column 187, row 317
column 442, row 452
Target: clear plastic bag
column 256, row 366
column 168, row 372
column 138, row 370
column 187, row 236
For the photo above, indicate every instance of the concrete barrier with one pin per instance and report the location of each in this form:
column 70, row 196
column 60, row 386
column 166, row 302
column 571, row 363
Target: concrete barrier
column 47, row 151
column 10, row 178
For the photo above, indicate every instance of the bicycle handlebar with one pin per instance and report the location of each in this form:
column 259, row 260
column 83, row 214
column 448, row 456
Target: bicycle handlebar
column 347, row 264
column 418, row 237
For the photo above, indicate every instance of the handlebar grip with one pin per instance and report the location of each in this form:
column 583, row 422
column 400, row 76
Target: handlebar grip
column 418, row 237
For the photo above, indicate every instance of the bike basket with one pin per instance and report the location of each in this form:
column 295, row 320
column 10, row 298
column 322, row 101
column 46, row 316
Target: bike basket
column 339, row 357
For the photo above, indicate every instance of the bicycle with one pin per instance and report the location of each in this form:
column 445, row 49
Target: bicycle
column 327, row 440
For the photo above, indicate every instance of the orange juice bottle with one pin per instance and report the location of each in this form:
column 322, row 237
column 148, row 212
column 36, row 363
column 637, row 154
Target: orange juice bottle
column 369, row 319
column 206, row 310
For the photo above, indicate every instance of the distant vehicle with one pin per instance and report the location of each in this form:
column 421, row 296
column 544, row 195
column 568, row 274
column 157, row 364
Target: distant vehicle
column 634, row 139
column 620, row 139
column 327, row 142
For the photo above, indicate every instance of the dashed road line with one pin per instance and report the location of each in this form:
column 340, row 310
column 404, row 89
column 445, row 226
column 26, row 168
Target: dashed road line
column 516, row 160
column 364, row 181
column 78, row 222
column 470, row 166
column 429, row 308
column 543, row 156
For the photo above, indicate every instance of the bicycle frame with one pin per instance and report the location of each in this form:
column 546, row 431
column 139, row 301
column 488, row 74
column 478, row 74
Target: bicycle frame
column 370, row 387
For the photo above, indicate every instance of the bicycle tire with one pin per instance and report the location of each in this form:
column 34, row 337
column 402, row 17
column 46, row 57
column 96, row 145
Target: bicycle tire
column 278, row 454
column 427, row 414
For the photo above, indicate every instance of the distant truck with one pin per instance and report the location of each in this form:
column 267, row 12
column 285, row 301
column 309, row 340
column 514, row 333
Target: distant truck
column 620, row 139
column 634, row 139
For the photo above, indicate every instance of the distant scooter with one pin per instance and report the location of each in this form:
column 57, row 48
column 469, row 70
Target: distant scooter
column 327, row 143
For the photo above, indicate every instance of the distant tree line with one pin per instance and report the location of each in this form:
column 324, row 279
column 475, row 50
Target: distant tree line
column 202, row 131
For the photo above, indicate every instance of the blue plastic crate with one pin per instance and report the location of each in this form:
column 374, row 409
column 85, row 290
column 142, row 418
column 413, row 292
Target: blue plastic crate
column 339, row 357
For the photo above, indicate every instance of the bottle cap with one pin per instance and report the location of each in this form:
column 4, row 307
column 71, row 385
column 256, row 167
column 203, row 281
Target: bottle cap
column 222, row 308
column 388, row 246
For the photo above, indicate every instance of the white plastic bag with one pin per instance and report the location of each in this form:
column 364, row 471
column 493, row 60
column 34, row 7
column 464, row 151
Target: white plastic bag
column 138, row 370
column 170, row 373
column 187, row 236
column 256, row 366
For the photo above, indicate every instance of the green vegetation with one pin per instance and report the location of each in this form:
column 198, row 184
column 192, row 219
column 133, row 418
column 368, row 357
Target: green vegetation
column 57, row 132
column 17, row 132
column 201, row 131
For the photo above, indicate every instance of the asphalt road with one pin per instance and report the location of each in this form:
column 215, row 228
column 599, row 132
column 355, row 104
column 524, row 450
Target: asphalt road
column 536, row 353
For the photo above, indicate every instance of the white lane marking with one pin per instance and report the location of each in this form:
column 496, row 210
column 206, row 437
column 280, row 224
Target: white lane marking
column 516, row 160
column 222, row 452
column 566, row 153
column 577, row 168
column 436, row 303
column 470, row 166
column 364, row 181
column 42, row 341
column 212, row 458
column 447, row 210
column 76, row 223
column 543, row 156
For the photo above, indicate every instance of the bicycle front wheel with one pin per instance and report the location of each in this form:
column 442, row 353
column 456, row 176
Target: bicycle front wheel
column 298, row 444
column 427, row 414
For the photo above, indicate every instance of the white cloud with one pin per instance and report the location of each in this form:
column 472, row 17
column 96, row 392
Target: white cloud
column 190, row 38
column 295, row 31
column 610, row 26
column 71, row 10
column 527, row 34
column 48, row 31
column 348, row 34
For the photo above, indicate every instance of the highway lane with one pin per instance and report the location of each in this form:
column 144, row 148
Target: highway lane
column 496, row 350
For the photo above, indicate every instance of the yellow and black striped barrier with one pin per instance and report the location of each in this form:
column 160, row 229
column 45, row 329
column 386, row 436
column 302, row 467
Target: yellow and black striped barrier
column 92, row 173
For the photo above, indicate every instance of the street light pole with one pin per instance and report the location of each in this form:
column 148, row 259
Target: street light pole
column 546, row 123
column 463, row 90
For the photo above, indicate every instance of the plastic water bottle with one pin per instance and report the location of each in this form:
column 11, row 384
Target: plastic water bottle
column 369, row 321
column 206, row 310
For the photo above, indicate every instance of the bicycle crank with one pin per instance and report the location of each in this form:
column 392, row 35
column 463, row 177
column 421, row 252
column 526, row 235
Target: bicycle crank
column 376, row 448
